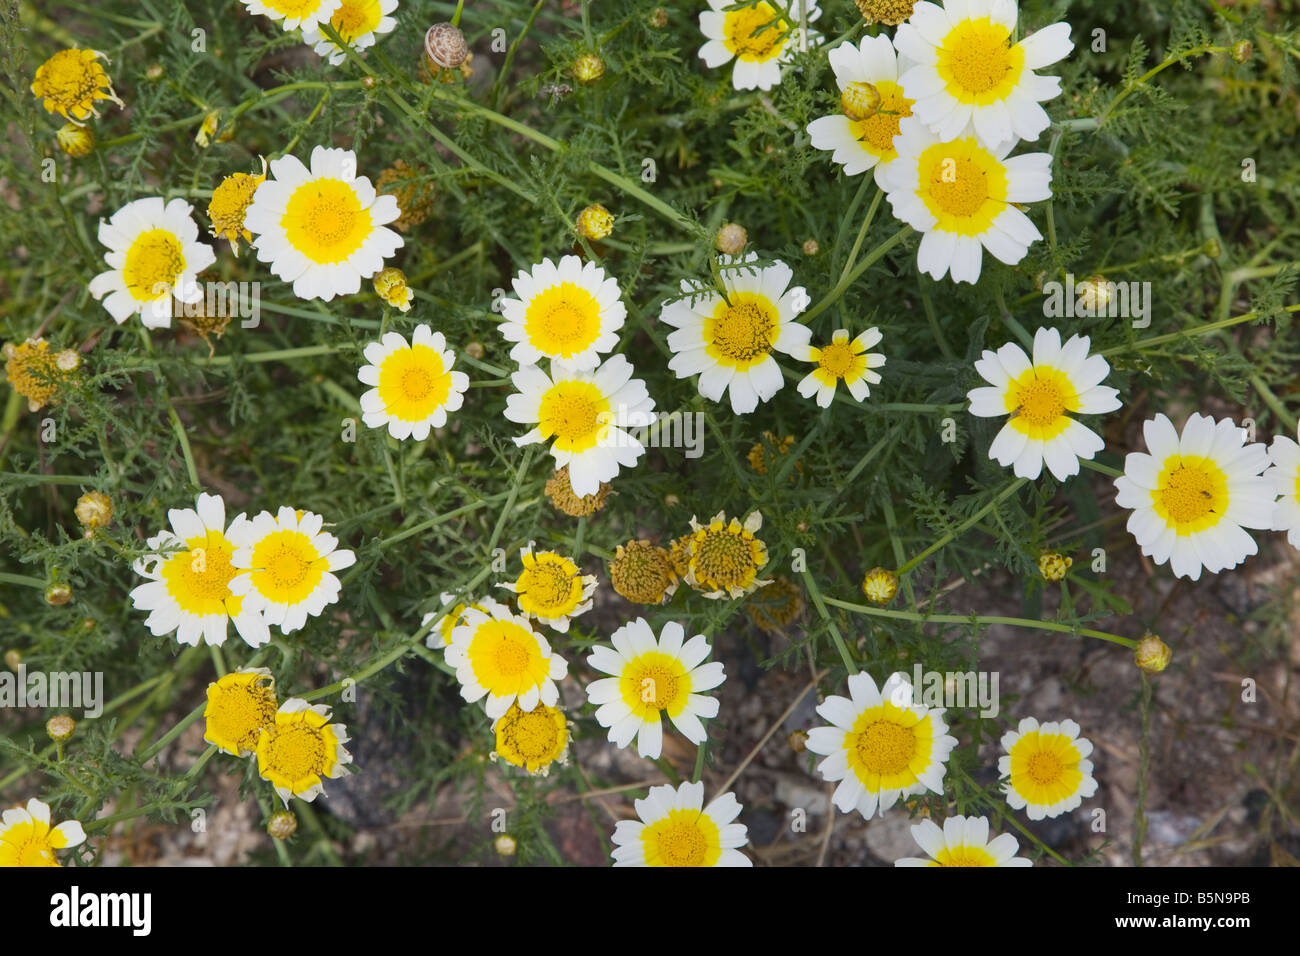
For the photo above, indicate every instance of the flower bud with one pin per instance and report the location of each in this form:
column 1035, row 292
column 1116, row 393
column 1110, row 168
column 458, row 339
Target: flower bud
column 588, row 68
column 880, row 585
column 1052, row 565
column 595, row 222
column 505, row 845
column 57, row 595
column 76, row 141
column 799, row 741
column 94, row 510
column 731, row 239
column 60, row 728
column 282, row 825
column 1152, row 654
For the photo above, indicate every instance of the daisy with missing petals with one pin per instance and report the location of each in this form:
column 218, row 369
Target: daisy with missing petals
column 189, row 571
column 967, row 72
column 27, row 839
column 358, row 23
column 499, row 656
column 299, row 748
column 154, row 255
column 586, row 412
column 963, row 841
column 728, row 338
column 1284, row 475
column 1195, row 493
column 861, row 135
column 756, row 37
column 445, row 621
column 653, row 677
column 71, row 82
column 572, row 311
column 1048, row 768
column 723, row 558
column 881, row 745
column 414, row 386
column 295, row 14
column 842, row 361
column 532, row 739
column 552, row 589
column 676, row 829
column 1039, row 395
column 962, row 197
column 288, row 564
column 240, row 704
column 323, row 228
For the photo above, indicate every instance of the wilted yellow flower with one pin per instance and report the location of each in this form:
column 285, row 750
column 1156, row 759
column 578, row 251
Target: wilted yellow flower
column 404, row 182
column 532, row 739
column 643, row 573
column 35, row 372
column 391, row 286
column 71, row 82
column 560, row 491
column 230, row 201
column 208, row 129
column 776, row 606
column 768, row 450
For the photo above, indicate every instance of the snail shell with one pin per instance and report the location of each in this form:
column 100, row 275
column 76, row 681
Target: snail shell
column 445, row 45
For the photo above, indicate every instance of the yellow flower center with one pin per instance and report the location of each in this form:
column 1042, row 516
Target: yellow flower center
column 1045, row 768
column 413, row 383
column 531, row 739
column 964, row 856
column 198, row 579
column 1039, row 400
column 230, row 201
column 70, row 82
column 741, row 332
column 239, row 706
column 563, row 320
column 654, row 682
column 963, row 185
column 356, row 18
column 550, row 587
column 877, row 131
column 575, row 413
column 888, row 746
column 153, row 262
column 296, row 750
column 724, row 557
column 325, row 222
column 28, row 844
column 744, row 35
column 296, row 9
column 977, row 62
column 683, row 838
column 1191, row 494
column 286, row 567
column 506, row 658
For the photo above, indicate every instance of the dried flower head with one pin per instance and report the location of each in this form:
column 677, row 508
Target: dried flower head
column 71, row 82
column 35, row 372
column 890, row 12
column 776, row 606
column 406, row 183
column 643, row 573
column 230, row 200
column 560, row 492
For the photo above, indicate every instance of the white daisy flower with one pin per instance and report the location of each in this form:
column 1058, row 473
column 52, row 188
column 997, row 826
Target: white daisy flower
column 414, row 386
column 962, row 197
column 499, row 656
column 324, row 228
column 1047, row 767
column 963, row 841
column 154, row 256
column 881, row 745
column 358, row 23
column 288, row 564
column 1284, row 475
column 571, row 311
column 743, row 34
column 295, row 14
column 189, row 571
column 587, row 412
column 653, row 677
column 1195, row 493
column 842, row 361
column 966, row 73
column 552, row 589
column 676, row 829
column 27, row 839
column 856, row 141
column 728, row 341
column 1039, row 395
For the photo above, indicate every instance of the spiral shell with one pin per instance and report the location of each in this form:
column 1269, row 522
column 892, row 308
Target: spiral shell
column 445, row 46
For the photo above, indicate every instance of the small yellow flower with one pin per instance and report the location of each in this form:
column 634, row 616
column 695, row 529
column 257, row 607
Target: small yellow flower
column 390, row 284
column 588, row 68
column 1152, row 654
column 299, row 748
column 94, row 510
column 552, row 589
column 76, row 141
column 70, row 83
column 532, row 739
column 406, row 183
column 889, row 12
column 880, row 585
column 595, row 222
column 725, row 557
column 776, row 606
column 240, row 706
column 560, row 491
column 643, row 573
column 1052, row 565
column 768, row 450
column 35, row 372
column 27, row 839
column 230, row 200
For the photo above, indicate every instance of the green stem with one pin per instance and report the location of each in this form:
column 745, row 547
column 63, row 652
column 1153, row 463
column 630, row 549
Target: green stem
column 961, row 528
